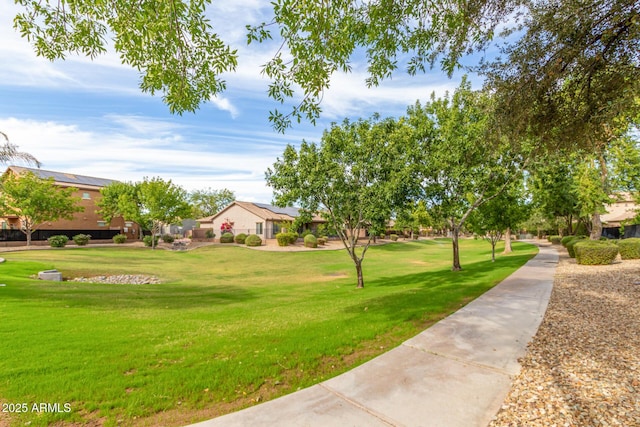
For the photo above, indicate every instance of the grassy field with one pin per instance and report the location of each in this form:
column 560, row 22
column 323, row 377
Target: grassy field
column 227, row 327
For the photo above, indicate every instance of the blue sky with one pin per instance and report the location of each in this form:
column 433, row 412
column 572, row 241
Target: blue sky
column 89, row 117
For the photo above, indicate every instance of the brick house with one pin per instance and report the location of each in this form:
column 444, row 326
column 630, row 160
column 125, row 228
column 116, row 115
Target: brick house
column 86, row 222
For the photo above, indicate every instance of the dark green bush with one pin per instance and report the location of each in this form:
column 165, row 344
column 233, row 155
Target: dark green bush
column 595, row 252
column 565, row 239
column 119, row 238
column 555, row 239
column 59, row 241
column 240, row 238
column 81, row 239
column 168, row 238
column 393, row 237
column 310, row 241
column 629, row 248
column 283, row 239
column 293, row 237
column 209, row 234
column 570, row 245
column 253, row 240
column 148, row 242
column 305, row 233
column 226, row 237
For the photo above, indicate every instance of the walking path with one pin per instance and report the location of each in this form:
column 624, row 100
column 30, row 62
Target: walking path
column 455, row 374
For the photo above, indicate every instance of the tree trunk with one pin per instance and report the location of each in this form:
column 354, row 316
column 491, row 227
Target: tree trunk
column 456, row 250
column 596, row 226
column 493, row 250
column 28, row 238
column 359, row 274
column 507, row 241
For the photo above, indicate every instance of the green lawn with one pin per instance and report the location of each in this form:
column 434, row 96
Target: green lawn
column 228, row 326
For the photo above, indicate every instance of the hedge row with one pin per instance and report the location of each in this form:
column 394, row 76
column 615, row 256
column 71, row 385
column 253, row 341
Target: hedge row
column 595, row 252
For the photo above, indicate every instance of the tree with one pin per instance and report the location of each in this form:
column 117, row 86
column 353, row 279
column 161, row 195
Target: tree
column 355, row 178
column 208, row 202
column 121, row 199
column 35, row 200
column 162, row 202
column 9, row 153
column 459, row 171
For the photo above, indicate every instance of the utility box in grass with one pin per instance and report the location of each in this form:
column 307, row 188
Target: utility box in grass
column 53, row 275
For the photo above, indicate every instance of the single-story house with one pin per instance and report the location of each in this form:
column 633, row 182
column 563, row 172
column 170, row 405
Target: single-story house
column 623, row 208
column 86, row 222
column 255, row 218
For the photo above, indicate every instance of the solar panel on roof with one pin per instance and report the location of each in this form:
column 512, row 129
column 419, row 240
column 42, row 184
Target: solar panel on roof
column 281, row 211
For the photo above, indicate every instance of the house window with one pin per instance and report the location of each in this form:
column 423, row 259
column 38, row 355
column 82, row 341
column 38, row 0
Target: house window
column 86, row 196
column 102, row 224
column 258, row 228
column 4, row 225
column 128, row 224
column 276, row 228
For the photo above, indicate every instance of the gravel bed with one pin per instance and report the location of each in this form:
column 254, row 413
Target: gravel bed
column 122, row 279
column 583, row 366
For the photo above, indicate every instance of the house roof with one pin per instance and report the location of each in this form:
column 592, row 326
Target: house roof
column 64, row 178
column 265, row 211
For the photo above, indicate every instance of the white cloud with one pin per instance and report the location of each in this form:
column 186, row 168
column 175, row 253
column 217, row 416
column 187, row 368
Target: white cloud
column 224, row 104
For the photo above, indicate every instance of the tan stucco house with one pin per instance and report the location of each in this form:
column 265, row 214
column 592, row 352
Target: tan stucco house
column 86, row 222
column 254, row 218
column 622, row 209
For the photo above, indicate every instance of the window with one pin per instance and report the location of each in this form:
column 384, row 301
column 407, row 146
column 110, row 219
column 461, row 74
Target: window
column 128, row 224
column 86, row 196
column 276, row 228
column 102, row 224
column 258, row 228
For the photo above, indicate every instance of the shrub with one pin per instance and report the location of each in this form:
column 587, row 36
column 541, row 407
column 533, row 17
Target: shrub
column 310, row 241
column 393, row 237
column 283, row 239
column 119, row 238
column 594, row 252
column 81, row 239
column 226, row 237
column 240, row 238
column 293, row 237
column 305, row 233
column 571, row 245
column 168, row 238
column 629, row 248
column 209, row 234
column 253, row 240
column 59, row 241
column 555, row 239
column 565, row 239
column 147, row 240
column 322, row 240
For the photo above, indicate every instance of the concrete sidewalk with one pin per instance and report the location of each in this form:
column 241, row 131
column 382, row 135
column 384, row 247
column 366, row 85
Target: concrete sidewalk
column 455, row 374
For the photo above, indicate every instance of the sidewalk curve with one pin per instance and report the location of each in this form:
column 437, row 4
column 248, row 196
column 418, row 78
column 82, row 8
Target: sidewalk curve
column 454, row 374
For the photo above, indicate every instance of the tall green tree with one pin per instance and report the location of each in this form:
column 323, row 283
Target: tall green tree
column 459, row 171
column 35, row 201
column 121, row 199
column 356, row 178
column 162, row 202
column 207, row 202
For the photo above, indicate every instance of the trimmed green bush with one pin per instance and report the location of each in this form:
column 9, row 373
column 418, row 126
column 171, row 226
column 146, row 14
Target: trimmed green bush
column 322, row 241
column 595, row 252
column 293, row 237
column 629, row 248
column 168, row 238
column 570, row 245
column 393, row 237
column 253, row 240
column 147, row 240
column 555, row 239
column 226, row 237
column 310, row 241
column 283, row 239
column 81, row 239
column 566, row 239
column 119, row 238
column 59, row 241
column 240, row 238
column 209, row 234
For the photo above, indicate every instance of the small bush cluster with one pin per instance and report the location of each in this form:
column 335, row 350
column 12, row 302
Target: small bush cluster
column 595, row 252
column 286, row 239
column 565, row 240
column 119, row 238
column 322, row 240
column 59, row 241
column 81, row 239
column 556, row 240
column 168, row 238
column 570, row 245
column 149, row 241
column 209, row 234
column 629, row 248
column 253, row 240
column 310, row 241
column 226, row 238
column 240, row 238
column 393, row 237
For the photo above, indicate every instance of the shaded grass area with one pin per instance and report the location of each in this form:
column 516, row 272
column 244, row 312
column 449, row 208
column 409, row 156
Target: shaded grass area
column 227, row 327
